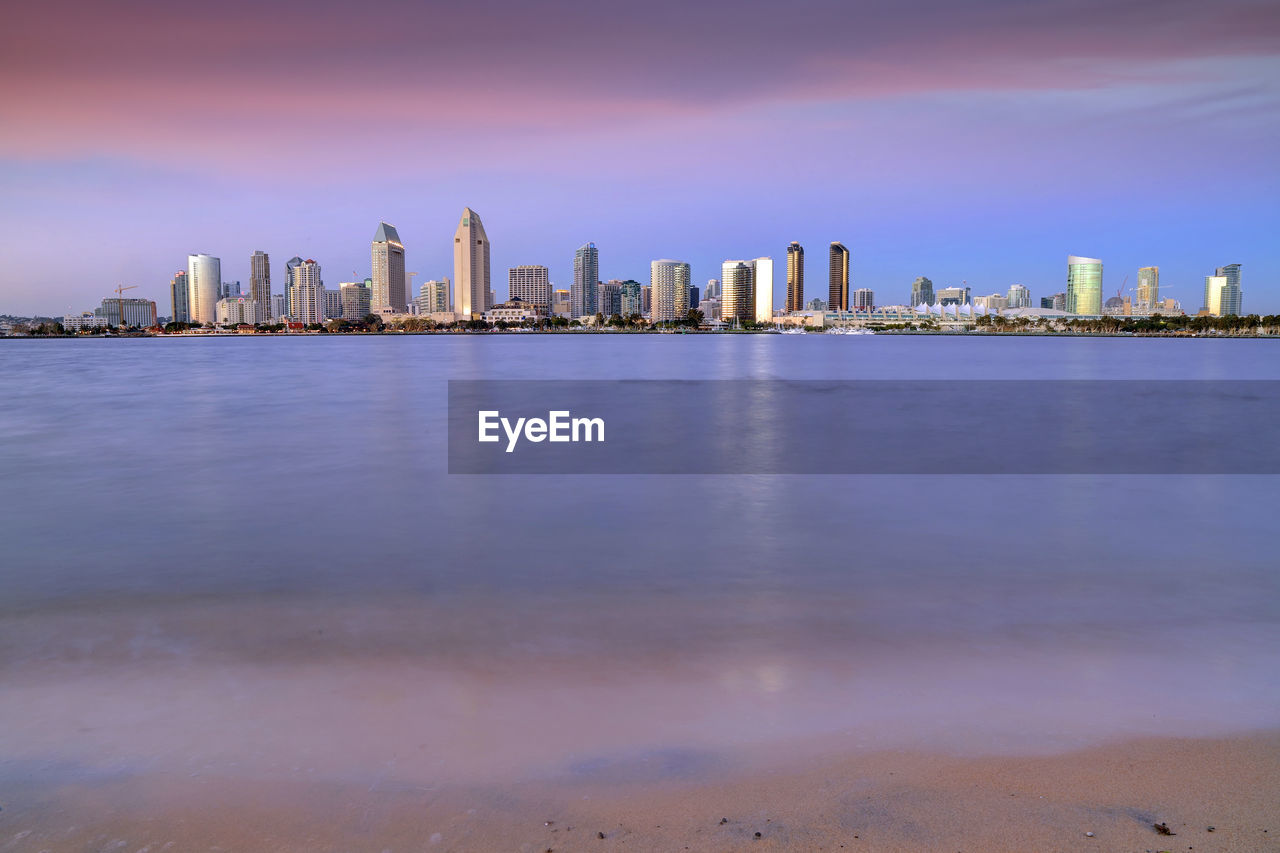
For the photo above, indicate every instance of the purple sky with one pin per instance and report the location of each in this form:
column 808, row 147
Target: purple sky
column 980, row 142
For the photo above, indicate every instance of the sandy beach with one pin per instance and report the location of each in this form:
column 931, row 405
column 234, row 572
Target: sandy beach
column 1213, row 795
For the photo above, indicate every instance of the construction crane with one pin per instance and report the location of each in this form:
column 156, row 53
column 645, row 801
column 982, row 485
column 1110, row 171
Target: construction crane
column 119, row 292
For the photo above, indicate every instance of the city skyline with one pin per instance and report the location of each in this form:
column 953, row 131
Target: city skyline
column 931, row 139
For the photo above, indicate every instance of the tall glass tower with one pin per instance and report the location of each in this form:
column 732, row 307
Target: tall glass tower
column 669, row 288
column 795, row 277
column 838, row 287
column 471, row 282
column 586, row 280
column 387, row 259
column 1148, row 289
column 1084, row 285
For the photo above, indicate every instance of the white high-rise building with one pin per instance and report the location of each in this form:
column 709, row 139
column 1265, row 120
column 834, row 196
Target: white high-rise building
column 471, row 281
column 586, row 280
column 863, row 299
column 764, row 289
column 306, row 294
column 669, row 290
column 1018, row 296
column 531, row 284
column 356, row 299
column 737, row 291
column 204, row 282
column 387, row 256
column 433, row 296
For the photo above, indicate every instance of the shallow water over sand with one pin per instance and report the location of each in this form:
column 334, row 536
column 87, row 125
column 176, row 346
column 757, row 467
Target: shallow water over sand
column 245, row 557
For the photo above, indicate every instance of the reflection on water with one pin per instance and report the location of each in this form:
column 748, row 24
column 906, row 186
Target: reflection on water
column 245, row 556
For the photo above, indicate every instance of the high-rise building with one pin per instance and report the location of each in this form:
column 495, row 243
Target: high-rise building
column 921, row 292
column 118, row 311
column 669, row 290
column 1019, row 296
column 795, row 277
column 954, row 296
column 332, row 300
column 864, row 299
column 1148, row 293
column 279, row 306
column 737, row 291
column 763, row 286
column 260, row 283
column 646, row 299
column 233, row 311
column 389, row 289
column 471, row 282
column 229, row 290
column 434, row 297
column 179, row 298
column 993, row 302
column 586, row 280
column 695, row 296
column 630, row 299
column 838, row 286
column 530, row 283
column 306, row 294
column 1230, row 303
column 204, row 280
column 816, row 304
column 1084, row 285
column 609, row 298
column 357, row 300
column 713, row 289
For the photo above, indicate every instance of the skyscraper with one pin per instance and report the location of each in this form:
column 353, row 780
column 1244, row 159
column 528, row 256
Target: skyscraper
column 388, row 271
column 204, row 281
column 629, row 296
column 1148, row 295
column 434, row 297
column 713, row 289
column 260, row 282
column 586, row 280
column 1231, row 294
column 609, row 298
column 737, row 291
column 1019, row 296
column 306, row 294
column 356, row 300
column 921, row 292
column 838, row 287
column 179, row 298
column 532, row 284
column 471, row 281
column 1084, row 285
column 864, row 299
column 763, row 286
column 669, row 289
column 795, row 277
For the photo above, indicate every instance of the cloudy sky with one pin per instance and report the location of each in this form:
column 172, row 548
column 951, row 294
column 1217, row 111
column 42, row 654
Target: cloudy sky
column 979, row 142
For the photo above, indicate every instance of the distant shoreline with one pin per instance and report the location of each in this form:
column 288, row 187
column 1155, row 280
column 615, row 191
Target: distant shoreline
column 613, row 333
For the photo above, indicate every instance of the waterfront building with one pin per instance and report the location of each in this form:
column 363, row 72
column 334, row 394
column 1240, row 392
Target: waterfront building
column 1230, row 298
column 531, row 284
column 306, row 294
column 922, row 292
column 1057, row 302
column 279, row 306
column 471, row 282
column 586, row 280
column 795, row 277
column 609, row 298
column 993, row 302
column 356, row 300
column 140, row 313
column 1018, row 296
column 838, row 278
column 629, row 298
column 864, row 299
column 229, row 290
column 646, row 299
column 433, row 297
column 234, row 311
column 763, row 286
column 332, row 300
column 387, row 259
column 1084, row 285
column 816, row 305
column 669, row 290
column 1148, row 292
column 561, row 304
column 954, row 296
column 204, row 279
column 84, row 320
column 179, row 299
column 710, row 309
column 260, row 283
column 512, row 311
column 738, row 299
column 695, row 296
column 712, row 290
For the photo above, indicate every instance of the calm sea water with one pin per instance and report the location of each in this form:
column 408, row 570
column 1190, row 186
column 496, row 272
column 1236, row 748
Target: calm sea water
column 246, row 556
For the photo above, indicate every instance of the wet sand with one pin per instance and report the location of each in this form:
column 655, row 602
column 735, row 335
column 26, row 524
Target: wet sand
column 884, row 801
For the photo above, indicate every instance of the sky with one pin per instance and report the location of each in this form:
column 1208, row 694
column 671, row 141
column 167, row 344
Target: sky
column 975, row 142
